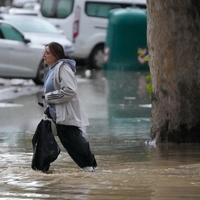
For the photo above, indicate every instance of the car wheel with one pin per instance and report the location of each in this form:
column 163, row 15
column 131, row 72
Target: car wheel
column 96, row 59
column 40, row 74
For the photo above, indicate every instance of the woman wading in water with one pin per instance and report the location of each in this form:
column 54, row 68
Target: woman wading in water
column 63, row 107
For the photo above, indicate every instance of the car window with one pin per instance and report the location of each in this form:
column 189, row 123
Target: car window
column 47, row 8
column 10, row 33
column 57, row 8
column 1, row 34
column 102, row 9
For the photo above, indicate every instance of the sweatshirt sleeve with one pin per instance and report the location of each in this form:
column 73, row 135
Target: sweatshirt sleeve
column 68, row 88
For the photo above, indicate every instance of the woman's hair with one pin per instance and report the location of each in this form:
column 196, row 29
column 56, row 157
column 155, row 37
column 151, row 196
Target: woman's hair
column 57, row 50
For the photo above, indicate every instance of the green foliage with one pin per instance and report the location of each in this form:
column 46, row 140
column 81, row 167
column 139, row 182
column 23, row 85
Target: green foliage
column 149, row 87
column 143, row 57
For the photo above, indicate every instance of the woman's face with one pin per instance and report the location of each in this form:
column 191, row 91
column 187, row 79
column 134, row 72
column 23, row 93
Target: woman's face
column 48, row 57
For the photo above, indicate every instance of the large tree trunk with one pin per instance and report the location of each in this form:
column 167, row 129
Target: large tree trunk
column 174, row 48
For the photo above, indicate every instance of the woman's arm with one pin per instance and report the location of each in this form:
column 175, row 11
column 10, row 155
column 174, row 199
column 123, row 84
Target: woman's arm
column 68, row 87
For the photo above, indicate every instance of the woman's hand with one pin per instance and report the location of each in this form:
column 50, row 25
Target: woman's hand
column 47, row 113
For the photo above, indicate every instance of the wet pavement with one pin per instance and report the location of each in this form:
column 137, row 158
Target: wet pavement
column 118, row 108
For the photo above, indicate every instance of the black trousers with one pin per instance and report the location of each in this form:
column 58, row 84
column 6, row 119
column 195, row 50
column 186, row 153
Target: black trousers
column 76, row 145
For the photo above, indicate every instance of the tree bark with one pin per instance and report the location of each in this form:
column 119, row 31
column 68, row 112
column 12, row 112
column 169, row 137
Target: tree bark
column 174, row 48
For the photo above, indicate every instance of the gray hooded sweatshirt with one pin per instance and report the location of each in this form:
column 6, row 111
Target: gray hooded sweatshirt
column 65, row 97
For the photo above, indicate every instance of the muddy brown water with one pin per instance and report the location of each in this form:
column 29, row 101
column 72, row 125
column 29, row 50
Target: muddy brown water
column 128, row 168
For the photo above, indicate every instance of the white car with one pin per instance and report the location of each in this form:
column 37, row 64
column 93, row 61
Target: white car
column 39, row 31
column 19, row 57
column 21, row 3
column 22, row 11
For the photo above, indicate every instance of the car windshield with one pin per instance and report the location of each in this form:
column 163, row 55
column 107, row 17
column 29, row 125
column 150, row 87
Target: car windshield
column 35, row 25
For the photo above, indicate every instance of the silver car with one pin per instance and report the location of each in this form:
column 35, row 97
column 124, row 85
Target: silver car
column 19, row 57
column 39, row 31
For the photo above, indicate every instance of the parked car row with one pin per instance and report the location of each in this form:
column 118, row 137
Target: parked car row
column 79, row 25
column 22, row 40
column 85, row 23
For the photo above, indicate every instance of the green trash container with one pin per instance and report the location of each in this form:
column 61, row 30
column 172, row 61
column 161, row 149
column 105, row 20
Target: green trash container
column 126, row 35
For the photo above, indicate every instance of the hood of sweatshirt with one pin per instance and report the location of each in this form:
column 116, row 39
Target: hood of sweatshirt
column 71, row 63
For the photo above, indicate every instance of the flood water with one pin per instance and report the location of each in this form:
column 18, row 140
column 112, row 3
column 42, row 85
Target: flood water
column 119, row 112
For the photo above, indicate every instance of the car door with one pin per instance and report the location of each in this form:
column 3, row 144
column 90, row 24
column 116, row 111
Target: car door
column 4, row 56
column 18, row 58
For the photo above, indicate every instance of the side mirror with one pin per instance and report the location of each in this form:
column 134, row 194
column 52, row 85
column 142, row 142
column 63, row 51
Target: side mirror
column 26, row 40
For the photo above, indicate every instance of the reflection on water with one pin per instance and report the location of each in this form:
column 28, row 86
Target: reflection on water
column 127, row 168
column 126, row 94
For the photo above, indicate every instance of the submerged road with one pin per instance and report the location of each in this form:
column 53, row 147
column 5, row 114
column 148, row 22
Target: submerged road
column 119, row 113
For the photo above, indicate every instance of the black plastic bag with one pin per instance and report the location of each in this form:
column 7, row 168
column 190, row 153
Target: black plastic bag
column 45, row 147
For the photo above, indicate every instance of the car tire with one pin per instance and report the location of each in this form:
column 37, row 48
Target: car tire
column 96, row 59
column 40, row 74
